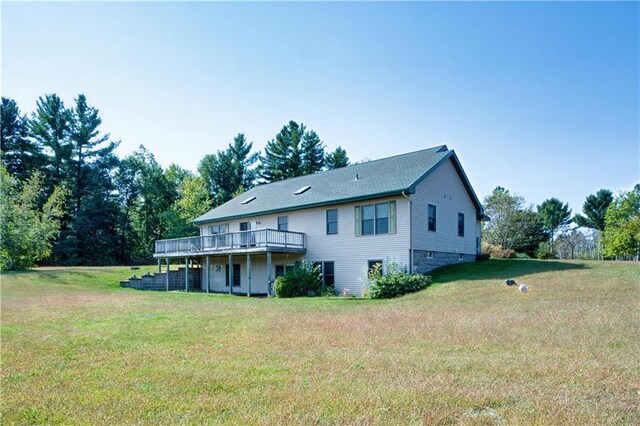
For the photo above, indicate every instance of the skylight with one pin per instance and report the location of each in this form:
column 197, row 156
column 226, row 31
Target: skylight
column 302, row 190
column 248, row 200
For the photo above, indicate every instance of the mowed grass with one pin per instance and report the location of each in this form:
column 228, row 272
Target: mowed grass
column 77, row 349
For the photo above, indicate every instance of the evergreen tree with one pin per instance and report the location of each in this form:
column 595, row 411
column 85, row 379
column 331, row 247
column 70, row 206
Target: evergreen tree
column 595, row 209
column 226, row 172
column 50, row 125
column 243, row 160
column 312, row 153
column 20, row 155
column 218, row 172
column 336, row 159
column 555, row 215
column 294, row 152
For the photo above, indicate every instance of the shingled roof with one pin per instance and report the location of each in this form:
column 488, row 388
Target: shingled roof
column 373, row 179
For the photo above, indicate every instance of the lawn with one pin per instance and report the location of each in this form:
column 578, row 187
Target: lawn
column 76, row 348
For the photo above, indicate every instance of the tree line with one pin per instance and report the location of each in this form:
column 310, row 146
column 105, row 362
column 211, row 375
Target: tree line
column 68, row 199
column 609, row 227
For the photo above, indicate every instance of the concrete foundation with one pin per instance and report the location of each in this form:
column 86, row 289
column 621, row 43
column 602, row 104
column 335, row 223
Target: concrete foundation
column 425, row 261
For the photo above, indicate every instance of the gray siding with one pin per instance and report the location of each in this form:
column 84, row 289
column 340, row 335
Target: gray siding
column 444, row 189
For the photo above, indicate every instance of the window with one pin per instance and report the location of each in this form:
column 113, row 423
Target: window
column 461, row 257
column 280, row 270
column 460, row 224
column 219, row 229
column 236, row 275
column 372, row 264
column 332, row 221
column 248, row 200
column 432, row 218
column 327, row 273
column 377, row 218
column 429, row 255
column 368, row 222
column 382, row 218
column 283, row 223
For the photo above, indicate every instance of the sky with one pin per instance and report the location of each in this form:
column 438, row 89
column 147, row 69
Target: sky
column 540, row 98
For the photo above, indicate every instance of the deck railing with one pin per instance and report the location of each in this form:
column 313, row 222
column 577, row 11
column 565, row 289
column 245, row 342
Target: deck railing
column 259, row 238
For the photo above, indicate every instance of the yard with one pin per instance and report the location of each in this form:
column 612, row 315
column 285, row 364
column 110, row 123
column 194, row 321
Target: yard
column 76, row 348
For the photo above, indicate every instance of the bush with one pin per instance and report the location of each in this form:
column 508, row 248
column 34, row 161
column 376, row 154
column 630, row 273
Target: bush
column 303, row 279
column 395, row 282
column 483, row 256
column 544, row 251
column 498, row 252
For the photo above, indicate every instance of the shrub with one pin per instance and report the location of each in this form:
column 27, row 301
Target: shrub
column 303, row 279
column 395, row 282
column 544, row 251
column 483, row 256
column 497, row 252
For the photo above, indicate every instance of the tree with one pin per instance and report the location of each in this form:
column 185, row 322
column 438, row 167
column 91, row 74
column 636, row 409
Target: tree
column 229, row 171
column 555, row 215
column 49, row 125
column 27, row 231
column 294, row 152
column 336, row 159
column 243, row 161
column 218, row 172
column 193, row 201
column 20, row 155
column 594, row 209
column 512, row 226
column 156, row 196
column 89, row 236
column 312, row 153
column 570, row 242
column 622, row 225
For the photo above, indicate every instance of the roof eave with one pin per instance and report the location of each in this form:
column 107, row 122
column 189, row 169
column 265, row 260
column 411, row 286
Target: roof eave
column 199, row 221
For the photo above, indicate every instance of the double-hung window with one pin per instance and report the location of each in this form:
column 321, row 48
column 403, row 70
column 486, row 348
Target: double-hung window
column 379, row 218
column 327, row 273
column 332, row 221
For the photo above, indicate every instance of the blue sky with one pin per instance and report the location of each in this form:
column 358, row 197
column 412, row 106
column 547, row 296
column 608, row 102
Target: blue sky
column 542, row 98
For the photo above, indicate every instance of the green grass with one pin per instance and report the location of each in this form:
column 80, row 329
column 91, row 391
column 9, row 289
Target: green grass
column 78, row 349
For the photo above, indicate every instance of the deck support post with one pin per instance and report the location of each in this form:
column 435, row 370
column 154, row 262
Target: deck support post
column 159, row 266
column 167, row 277
column 249, row 275
column 208, row 273
column 269, row 289
column 230, row 273
column 186, row 274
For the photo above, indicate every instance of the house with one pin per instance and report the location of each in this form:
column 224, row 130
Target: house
column 416, row 209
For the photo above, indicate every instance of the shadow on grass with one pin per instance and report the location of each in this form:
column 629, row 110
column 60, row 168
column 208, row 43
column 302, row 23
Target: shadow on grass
column 501, row 269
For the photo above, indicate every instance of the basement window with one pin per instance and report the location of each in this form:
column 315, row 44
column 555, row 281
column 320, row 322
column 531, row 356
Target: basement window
column 302, row 190
column 248, row 200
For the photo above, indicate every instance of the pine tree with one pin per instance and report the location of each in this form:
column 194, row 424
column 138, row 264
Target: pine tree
column 243, row 160
column 312, row 153
column 50, row 125
column 20, row 155
column 294, row 152
column 336, row 159
column 595, row 209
